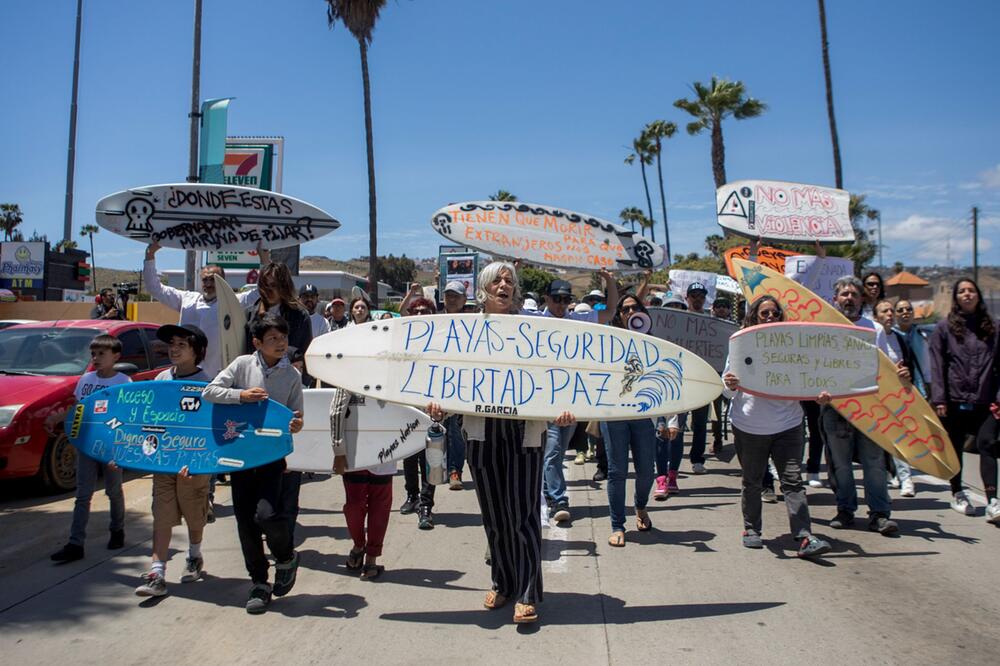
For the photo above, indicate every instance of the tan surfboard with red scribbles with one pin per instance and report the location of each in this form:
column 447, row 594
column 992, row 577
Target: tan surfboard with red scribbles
column 897, row 418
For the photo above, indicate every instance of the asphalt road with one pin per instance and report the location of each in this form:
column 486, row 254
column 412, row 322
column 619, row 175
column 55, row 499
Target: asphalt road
column 686, row 592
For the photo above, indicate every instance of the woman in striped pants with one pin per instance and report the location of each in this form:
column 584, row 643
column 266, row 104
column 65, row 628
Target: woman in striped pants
column 505, row 457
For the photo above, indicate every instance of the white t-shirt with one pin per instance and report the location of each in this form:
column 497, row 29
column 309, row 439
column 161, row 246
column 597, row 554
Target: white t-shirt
column 880, row 337
column 319, row 324
column 90, row 382
column 757, row 415
column 591, row 316
column 169, row 375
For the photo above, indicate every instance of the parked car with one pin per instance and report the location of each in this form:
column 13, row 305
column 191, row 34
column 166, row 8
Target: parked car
column 40, row 365
column 4, row 323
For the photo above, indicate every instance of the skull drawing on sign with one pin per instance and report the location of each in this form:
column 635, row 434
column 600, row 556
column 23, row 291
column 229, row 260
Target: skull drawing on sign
column 139, row 211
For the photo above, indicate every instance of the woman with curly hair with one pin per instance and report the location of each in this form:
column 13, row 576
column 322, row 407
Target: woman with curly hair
column 964, row 380
column 768, row 428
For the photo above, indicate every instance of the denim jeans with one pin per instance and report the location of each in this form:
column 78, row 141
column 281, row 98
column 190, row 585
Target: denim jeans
column 903, row 470
column 456, row 443
column 843, row 440
column 620, row 437
column 699, row 431
column 87, row 470
column 553, row 480
column 669, row 452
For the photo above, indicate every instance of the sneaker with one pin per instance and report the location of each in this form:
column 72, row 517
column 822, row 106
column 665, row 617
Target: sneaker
column 752, row 540
column 600, row 475
column 260, row 598
column 906, row 489
column 894, row 482
column 672, row 486
column 559, row 512
column 842, row 520
column 284, row 575
column 993, row 511
column 591, row 453
column 193, row 568
column 153, row 585
column 210, row 516
column 117, row 540
column 767, row 495
column 410, row 505
column 581, row 457
column 698, row 468
column 426, row 521
column 813, row 479
column 68, row 553
column 660, row 491
column 883, row 525
column 960, row 502
column 811, row 546
column 454, row 481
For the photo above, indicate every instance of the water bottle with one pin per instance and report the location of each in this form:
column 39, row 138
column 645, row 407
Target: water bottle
column 436, row 456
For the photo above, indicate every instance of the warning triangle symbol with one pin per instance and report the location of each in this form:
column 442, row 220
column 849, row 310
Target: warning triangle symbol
column 733, row 206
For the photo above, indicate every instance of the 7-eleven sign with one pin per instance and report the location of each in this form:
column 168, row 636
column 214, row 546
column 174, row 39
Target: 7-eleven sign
column 243, row 166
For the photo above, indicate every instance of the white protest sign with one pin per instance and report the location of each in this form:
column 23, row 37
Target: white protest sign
column 798, row 360
column 817, row 274
column 790, row 212
column 680, row 280
column 728, row 285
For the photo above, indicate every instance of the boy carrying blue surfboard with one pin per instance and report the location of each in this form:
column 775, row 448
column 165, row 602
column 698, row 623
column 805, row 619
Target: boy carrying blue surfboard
column 265, row 374
column 182, row 495
column 105, row 350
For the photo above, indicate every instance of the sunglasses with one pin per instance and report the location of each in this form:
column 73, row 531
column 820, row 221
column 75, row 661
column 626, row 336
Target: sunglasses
column 629, row 308
column 422, row 311
column 768, row 314
column 904, row 309
column 871, row 284
column 562, row 299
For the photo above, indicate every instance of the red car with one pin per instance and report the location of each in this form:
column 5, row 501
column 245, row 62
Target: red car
column 40, row 365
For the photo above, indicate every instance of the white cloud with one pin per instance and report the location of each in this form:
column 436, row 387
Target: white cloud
column 991, row 177
column 933, row 238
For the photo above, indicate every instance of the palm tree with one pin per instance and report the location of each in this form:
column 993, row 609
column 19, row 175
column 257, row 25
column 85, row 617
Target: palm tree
column 630, row 216
column 64, row 245
column 710, row 106
column 89, row 230
column 657, row 131
column 838, row 176
column 359, row 17
column 503, row 195
column 10, row 218
column 642, row 148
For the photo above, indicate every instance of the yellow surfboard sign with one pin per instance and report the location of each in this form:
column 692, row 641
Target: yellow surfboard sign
column 897, row 418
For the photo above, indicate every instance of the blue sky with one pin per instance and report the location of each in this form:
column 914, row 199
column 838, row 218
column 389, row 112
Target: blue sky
column 539, row 98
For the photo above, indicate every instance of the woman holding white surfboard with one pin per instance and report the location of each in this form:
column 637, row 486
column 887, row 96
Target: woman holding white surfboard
column 505, row 458
column 767, row 428
column 620, row 437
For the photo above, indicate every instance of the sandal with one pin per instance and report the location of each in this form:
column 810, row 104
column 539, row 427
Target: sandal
column 355, row 559
column 494, row 600
column 525, row 613
column 642, row 521
column 372, row 571
column 617, row 539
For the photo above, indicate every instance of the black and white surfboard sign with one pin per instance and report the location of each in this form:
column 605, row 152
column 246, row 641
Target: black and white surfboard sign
column 204, row 216
column 772, row 210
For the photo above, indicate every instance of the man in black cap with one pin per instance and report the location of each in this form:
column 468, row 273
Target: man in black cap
column 309, row 297
column 558, row 296
column 696, row 293
column 722, row 308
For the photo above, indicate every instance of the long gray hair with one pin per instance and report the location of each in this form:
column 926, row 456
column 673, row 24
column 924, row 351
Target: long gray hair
column 848, row 281
column 489, row 273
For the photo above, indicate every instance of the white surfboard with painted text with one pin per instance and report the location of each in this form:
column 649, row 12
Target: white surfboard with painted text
column 785, row 212
column 546, row 235
column 513, row 366
column 203, row 216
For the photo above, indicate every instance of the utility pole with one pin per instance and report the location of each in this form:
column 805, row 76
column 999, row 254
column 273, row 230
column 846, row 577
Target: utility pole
column 195, row 115
column 71, row 152
column 975, row 244
column 881, row 264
